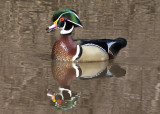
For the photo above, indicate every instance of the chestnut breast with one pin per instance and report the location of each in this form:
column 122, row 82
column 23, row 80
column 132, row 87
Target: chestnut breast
column 64, row 48
column 63, row 72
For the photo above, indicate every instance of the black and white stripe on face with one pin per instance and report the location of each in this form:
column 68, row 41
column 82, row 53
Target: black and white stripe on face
column 67, row 28
column 70, row 20
column 66, row 13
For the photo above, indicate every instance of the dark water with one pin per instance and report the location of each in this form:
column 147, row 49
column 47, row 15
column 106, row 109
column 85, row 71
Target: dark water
column 128, row 85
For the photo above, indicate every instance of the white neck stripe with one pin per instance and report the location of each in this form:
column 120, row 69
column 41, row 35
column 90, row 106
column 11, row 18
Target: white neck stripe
column 67, row 31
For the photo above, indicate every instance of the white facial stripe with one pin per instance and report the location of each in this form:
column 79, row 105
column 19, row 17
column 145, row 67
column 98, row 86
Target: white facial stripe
column 75, row 23
column 66, row 13
column 64, row 25
column 67, row 31
column 75, row 15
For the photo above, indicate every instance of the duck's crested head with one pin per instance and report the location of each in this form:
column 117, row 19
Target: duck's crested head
column 65, row 19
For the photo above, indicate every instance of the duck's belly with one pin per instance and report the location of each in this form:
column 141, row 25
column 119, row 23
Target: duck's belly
column 92, row 52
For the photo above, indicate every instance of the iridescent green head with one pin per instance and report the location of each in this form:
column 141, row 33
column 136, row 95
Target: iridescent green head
column 65, row 19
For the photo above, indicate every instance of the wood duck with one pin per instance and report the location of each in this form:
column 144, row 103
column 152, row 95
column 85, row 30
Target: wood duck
column 67, row 49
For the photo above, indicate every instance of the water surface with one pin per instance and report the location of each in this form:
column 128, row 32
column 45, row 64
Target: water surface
column 26, row 68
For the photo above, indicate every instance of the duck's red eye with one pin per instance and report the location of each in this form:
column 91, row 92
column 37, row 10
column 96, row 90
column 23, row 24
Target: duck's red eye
column 61, row 19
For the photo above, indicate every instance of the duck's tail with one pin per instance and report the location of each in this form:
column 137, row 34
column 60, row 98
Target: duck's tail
column 115, row 46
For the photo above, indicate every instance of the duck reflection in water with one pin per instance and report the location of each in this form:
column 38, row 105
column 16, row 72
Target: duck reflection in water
column 65, row 72
column 64, row 100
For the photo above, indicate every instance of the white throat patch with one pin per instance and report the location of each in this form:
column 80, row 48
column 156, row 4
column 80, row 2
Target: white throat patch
column 66, row 31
